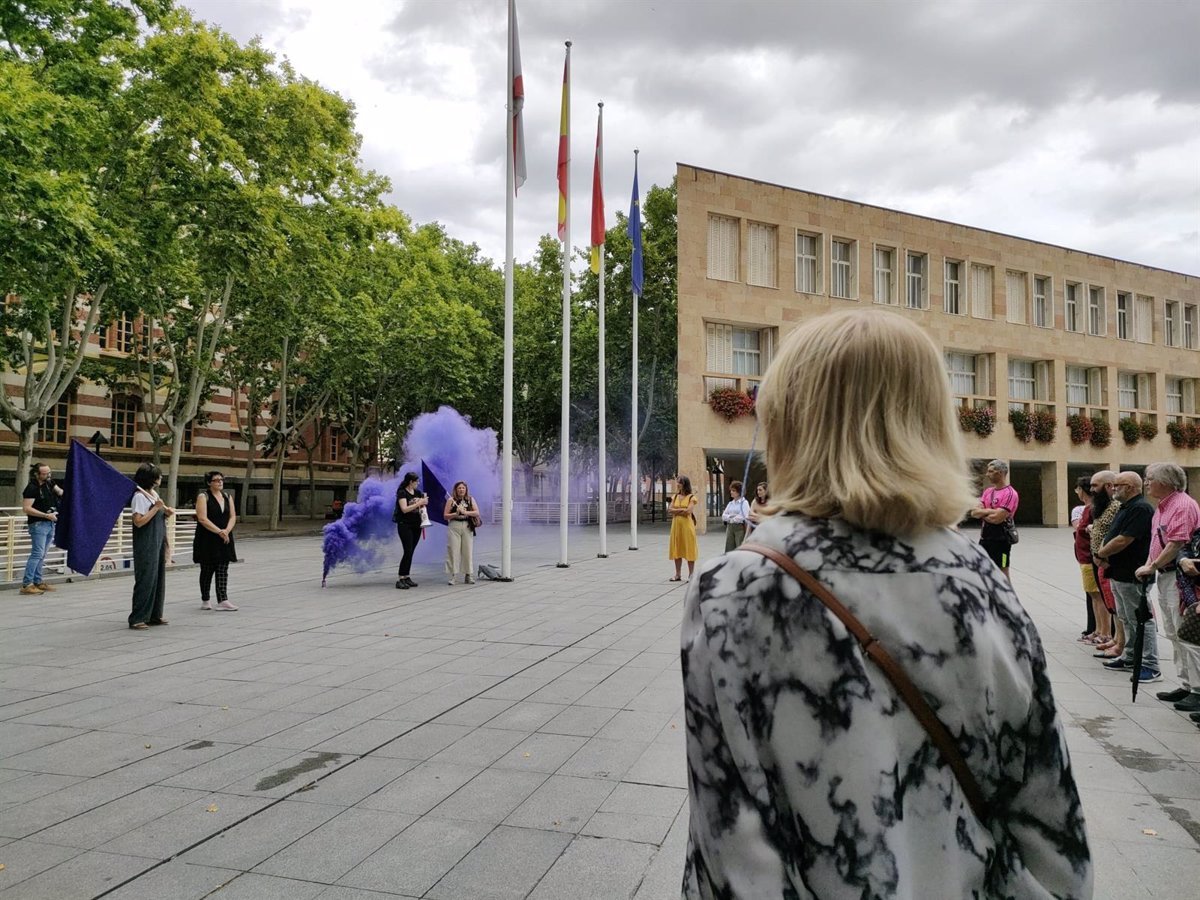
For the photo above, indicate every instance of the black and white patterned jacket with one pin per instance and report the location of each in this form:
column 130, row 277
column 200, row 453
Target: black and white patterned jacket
column 810, row 778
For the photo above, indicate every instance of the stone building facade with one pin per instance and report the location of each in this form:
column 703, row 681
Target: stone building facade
column 1059, row 337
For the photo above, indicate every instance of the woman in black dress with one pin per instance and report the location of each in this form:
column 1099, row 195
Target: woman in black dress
column 409, row 503
column 212, row 547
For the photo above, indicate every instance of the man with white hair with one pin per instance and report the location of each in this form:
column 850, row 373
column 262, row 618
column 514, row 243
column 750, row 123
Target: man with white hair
column 1125, row 549
column 996, row 510
column 1175, row 518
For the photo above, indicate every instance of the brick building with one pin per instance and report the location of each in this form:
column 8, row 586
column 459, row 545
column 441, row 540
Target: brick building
column 1044, row 331
column 212, row 442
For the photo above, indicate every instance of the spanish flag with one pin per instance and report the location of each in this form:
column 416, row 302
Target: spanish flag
column 598, row 195
column 564, row 147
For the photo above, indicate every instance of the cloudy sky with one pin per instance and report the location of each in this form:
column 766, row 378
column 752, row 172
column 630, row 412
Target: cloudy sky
column 1070, row 121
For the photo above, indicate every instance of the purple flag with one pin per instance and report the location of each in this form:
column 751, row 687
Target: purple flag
column 95, row 496
column 436, row 493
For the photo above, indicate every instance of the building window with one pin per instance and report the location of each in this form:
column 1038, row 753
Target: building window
column 1190, row 326
column 52, row 429
column 1096, row 318
column 915, row 296
column 764, row 251
column 1043, row 302
column 1174, row 406
column 737, row 351
column 1077, row 386
column 981, row 291
column 123, row 424
column 1143, row 319
column 808, row 263
column 1071, row 308
column 125, row 333
column 102, row 334
column 952, row 290
column 843, row 264
column 885, row 275
column 336, row 443
column 1133, row 391
column 1171, row 330
column 962, row 370
column 1015, row 299
column 1124, row 316
column 1022, row 385
column 189, row 434
column 722, row 248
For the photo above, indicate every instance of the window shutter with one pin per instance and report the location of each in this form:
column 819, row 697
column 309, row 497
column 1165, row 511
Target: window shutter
column 1095, row 391
column 983, row 375
column 981, row 291
column 1041, row 381
column 1143, row 391
column 1016, row 297
column 1189, row 396
column 720, row 348
column 766, row 344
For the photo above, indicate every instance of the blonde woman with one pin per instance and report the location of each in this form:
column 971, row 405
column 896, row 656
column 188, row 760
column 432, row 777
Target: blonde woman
column 809, row 775
column 462, row 517
column 683, row 527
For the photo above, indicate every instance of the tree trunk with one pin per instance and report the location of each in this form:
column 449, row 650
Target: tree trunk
column 173, row 470
column 281, row 445
column 312, row 488
column 26, row 435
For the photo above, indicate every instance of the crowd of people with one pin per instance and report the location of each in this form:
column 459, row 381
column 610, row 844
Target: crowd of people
column 1127, row 548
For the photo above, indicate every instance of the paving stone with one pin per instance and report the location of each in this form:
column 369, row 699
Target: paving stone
column 661, row 763
column 421, row 788
column 562, row 803
column 246, row 845
column 171, row 834
column 356, row 781
column 416, row 859
column 25, row 858
column 86, row 875
column 583, row 721
column 102, row 824
column 645, row 800
column 611, row 869
column 253, row 886
column 26, row 786
column 490, row 796
column 232, row 764
column 327, row 853
column 176, row 880
column 527, row 716
column 481, row 747
column 504, row 866
column 474, row 712
column 20, row 738
column 599, row 758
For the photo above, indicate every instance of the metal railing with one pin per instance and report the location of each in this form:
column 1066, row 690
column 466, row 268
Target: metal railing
column 116, row 556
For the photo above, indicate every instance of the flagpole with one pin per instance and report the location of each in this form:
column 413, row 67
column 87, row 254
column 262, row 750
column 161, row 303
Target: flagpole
column 635, row 481
column 603, row 462
column 564, row 465
column 506, row 505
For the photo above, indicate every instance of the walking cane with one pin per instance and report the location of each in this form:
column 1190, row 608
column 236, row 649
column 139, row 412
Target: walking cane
column 1143, row 616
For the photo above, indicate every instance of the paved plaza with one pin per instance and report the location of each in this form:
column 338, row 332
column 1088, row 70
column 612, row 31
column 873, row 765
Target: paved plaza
column 491, row 741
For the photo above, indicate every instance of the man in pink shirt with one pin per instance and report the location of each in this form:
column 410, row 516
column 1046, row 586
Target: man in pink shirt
column 997, row 507
column 1176, row 517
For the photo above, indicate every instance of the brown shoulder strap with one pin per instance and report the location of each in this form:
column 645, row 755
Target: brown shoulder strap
column 933, row 726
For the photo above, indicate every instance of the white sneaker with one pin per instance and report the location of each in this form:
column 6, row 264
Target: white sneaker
column 225, row 606
column 451, row 581
column 204, row 604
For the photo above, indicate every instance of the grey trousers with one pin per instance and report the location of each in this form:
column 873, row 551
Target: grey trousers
column 1128, row 595
column 1185, row 656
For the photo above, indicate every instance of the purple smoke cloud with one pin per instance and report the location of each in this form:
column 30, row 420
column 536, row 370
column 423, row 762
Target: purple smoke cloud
column 454, row 450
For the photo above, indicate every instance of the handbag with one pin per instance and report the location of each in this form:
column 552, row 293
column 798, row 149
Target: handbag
column 908, row 691
column 1188, row 629
column 1010, row 531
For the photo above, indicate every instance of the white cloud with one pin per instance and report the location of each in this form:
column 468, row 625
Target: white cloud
column 1073, row 123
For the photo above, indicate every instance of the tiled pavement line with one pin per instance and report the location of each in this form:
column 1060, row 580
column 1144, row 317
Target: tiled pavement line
column 309, row 785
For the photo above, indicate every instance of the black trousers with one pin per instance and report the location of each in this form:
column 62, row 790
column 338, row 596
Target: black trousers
column 409, row 535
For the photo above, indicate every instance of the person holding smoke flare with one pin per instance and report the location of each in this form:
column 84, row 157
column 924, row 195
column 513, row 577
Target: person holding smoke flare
column 462, row 518
column 683, row 527
column 409, row 503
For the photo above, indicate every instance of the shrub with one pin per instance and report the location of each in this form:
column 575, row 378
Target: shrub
column 980, row 419
column 1148, row 430
column 1175, row 432
column 1129, row 431
column 1043, row 425
column 1101, row 432
column 1184, row 434
column 1020, row 423
column 1081, row 428
column 731, row 403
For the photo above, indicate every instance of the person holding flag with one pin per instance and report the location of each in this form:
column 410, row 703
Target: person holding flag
column 150, row 549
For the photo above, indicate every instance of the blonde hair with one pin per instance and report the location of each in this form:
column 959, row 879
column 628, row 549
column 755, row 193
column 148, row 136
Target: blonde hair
column 860, row 424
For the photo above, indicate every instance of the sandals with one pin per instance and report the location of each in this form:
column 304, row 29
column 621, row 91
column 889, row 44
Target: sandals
column 138, row 626
column 674, row 579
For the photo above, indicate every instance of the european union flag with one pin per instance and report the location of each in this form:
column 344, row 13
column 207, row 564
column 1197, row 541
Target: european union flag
column 96, row 495
column 436, row 493
column 635, row 234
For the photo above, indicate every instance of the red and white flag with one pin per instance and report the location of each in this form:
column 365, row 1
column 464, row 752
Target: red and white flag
column 516, row 100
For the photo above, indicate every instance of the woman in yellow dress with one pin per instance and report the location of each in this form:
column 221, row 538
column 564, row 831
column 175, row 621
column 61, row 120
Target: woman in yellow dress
column 683, row 527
